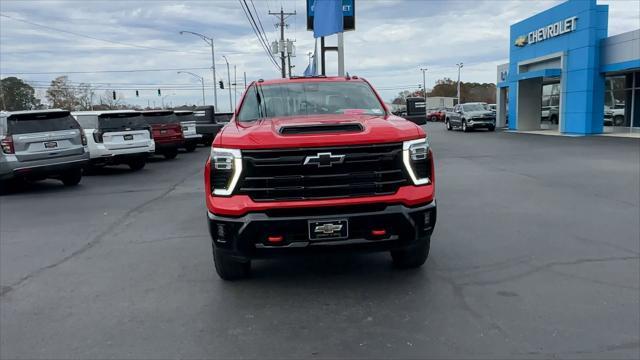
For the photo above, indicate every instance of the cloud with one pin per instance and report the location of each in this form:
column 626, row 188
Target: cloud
column 394, row 38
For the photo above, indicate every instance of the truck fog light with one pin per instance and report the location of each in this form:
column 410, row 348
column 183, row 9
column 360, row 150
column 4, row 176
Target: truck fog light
column 427, row 220
column 221, row 232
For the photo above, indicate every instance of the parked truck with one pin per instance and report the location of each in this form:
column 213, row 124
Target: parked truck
column 318, row 164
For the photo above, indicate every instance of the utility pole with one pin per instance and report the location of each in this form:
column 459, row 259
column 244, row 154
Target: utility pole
column 235, row 87
column 424, row 85
column 283, row 16
column 459, row 67
column 245, row 79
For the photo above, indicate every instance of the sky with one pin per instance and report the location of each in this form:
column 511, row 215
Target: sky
column 392, row 41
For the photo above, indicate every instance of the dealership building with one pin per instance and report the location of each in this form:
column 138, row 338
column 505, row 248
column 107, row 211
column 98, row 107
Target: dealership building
column 566, row 75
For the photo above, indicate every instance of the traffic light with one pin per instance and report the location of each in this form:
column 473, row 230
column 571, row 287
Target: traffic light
column 114, row 95
column 159, row 93
column 137, row 93
column 221, row 84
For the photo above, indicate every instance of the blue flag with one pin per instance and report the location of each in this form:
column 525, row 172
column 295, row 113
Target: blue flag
column 311, row 69
column 327, row 18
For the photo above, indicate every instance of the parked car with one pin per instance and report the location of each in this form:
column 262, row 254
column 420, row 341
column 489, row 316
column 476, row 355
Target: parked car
column 116, row 137
column 167, row 131
column 550, row 114
column 289, row 175
column 416, row 110
column 614, row 116
column 470, row 116
column 42, row 144
column 206, row 123
column 436, row 114
column 188, row 123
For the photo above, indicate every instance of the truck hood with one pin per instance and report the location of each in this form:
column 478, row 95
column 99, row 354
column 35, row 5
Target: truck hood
column 266, row 133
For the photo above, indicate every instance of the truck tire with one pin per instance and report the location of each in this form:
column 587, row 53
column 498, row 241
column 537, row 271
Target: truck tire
column 448, row 124
column 492, row 128
column 170, row 154
column 137, row 163
column 554, row 119
column 412, row 257
column 229, row 268
column 618, row 120
column 464, row 126
column 71, row 177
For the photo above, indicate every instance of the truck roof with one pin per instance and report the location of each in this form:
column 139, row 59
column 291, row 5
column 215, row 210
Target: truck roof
column 299, row 79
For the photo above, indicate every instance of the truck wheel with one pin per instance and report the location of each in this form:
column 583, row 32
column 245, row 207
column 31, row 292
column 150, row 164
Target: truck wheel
column 492, row 128
column 412, row 257
column 229, row 268
column 618, row 120
column 170, row 154
column 137, row 163
column 553, row 119
column 464, row 126
column 71, row 177
column 448, row 124
column 190, row 147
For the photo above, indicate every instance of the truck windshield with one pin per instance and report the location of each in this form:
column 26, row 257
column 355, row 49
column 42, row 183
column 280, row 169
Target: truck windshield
column 473, row 107
column 309, row 98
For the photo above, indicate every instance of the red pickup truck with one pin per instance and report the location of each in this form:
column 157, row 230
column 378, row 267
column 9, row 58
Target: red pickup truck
column 318, row 164
column 166, row 130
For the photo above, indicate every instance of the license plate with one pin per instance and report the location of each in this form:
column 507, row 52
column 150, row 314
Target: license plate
column 128, row 137
column 328, row 229
column 163, row 131
column 50, row 145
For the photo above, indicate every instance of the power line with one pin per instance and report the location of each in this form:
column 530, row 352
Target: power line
column 95, row 38
column 99, row 71
column 255, row 29
column 260, row 21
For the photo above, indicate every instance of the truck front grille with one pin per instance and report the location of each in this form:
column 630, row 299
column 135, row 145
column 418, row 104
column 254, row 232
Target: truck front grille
column 282, row 174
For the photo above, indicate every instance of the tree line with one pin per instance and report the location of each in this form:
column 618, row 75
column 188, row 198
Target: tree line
column 16, row 94
column 469, row 92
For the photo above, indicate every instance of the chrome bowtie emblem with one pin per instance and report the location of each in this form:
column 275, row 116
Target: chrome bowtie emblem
column 324, row 159
column 327, row 228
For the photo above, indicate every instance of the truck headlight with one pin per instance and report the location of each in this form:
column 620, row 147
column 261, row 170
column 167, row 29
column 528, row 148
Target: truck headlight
column 415, row 155
column 226, row 167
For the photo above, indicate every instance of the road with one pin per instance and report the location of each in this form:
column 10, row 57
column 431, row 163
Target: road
column 536, row 254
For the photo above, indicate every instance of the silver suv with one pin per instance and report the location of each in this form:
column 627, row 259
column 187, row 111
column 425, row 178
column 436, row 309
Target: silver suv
column 42, row 144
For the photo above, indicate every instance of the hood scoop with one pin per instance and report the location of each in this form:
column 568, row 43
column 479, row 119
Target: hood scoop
column 320, row 128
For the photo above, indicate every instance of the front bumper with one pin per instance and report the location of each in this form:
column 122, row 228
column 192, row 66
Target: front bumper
column 246, row 237
column 481, row 124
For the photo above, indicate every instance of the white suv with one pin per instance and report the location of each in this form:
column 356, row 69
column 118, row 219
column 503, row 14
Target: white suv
column 117, row 137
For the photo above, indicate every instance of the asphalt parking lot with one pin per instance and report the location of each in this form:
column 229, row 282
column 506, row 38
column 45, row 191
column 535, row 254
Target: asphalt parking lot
column 536, row 254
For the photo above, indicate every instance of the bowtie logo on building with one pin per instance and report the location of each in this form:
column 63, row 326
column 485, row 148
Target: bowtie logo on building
column 521, row 41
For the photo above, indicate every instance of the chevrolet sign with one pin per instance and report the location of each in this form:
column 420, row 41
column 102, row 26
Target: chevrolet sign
column 548, row 32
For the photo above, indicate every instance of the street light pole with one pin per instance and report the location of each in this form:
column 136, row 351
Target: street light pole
column 459, row 67
column 209, row 41
column 229, row 78
column 424, row 85
column 201, row 80
column 235, row 87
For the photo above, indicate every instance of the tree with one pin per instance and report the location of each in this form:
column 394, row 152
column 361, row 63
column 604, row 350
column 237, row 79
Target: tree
column 107, row 102
column 84, row 95
column 16, row 95
column 61, row 94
